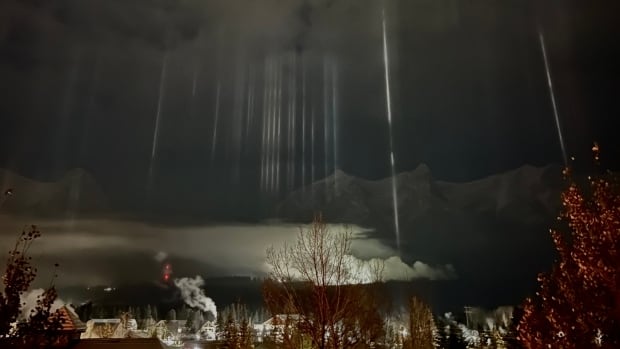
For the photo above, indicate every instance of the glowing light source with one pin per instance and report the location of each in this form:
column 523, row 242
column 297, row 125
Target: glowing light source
column 160, row 98
column 215, row 121
column 388, row 102
column 552, row 96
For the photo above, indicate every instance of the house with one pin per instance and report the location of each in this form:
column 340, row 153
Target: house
column 71, row 327
column 208, row 331
column 111, row 328
column 276, row 326
column 104, row 328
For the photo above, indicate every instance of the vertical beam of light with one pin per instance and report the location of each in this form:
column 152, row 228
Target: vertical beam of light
column 312, row 174
column 268, row 123
column 250, row 102
column 303, row 123
column 289, row 125
column 238, row 118
column 270, row 113
column 215, row 121
column 265, row 128
column 556, row 116
column 294, row 127
column 326, row 133
column 335, row 123
column 90, row 107
column 75, row 193
column 278, row 129
column 66, row 115
column 193, row 106
column 160, row 99
column 66, row 110
column 274, row 124
column 271, row 123
column 195, row 79
column 274, row 111
column 388, row 102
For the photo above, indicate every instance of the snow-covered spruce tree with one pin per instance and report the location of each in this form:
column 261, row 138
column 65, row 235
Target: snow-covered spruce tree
column 578, row 302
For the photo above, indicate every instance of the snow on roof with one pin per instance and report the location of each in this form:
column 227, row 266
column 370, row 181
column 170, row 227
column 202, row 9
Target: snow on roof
column 70, row 321
column 282, row 318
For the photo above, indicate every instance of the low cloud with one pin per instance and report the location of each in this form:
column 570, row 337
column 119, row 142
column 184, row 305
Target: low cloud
column 394, row 269
column 107, row 251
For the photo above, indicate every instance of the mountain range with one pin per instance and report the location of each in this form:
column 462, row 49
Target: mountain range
column 75, row 192
column 491, row 229
column 494, row 230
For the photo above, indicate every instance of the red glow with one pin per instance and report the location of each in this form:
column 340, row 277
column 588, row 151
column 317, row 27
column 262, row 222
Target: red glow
column 167, row 272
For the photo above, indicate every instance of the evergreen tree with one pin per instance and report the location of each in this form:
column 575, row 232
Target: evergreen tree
column 148, row 313
column 100, row 312
column 172, row 315
column 443, row 332
column 231, row 333
column 220, row 323
column 578, row 302
column 455, row 337
column 190, row 319
column 245, row 334
column 197, row 321
column 183, row 312
column 138, row 314
column 148, row 317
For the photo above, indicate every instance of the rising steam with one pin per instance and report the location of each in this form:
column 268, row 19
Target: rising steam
column 194, row 296
column 160, row 256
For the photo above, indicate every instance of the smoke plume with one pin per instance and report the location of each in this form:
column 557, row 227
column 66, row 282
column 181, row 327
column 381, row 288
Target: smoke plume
column 160, row 256
column 194, row 296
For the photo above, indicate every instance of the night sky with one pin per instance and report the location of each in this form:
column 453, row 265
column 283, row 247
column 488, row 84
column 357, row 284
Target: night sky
column 83, row 81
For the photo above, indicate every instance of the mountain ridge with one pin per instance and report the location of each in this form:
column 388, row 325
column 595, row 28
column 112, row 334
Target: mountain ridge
column 500, row 219
column 76, row 191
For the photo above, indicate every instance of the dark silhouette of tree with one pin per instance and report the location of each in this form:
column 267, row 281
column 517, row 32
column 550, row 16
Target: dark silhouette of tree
column 236, row 327
column 578, row 302
column 172, row 314
column 231, row 332
column 455, row 337
column 421, row 325
column 316, row 280
column 155, row 315
column 450, row 335
column 42, row 326
column 245, row 334
column 364, row 325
